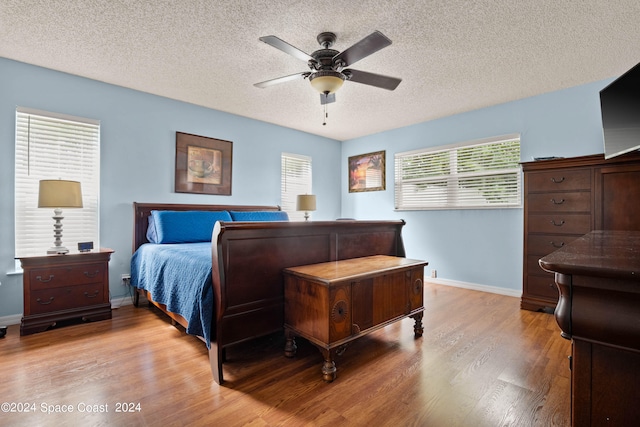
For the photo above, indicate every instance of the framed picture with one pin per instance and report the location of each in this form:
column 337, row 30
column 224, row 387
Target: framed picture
column 366, row 172
column 203, row 165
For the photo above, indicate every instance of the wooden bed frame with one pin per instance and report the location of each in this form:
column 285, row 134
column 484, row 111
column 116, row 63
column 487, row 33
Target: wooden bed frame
column 248, row 259
column 141, row 213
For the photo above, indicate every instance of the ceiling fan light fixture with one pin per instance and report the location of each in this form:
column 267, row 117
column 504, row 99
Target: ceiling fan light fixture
column 326, row 81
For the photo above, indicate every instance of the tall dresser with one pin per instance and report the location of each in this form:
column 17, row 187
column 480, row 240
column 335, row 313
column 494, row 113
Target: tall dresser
column 567, row 198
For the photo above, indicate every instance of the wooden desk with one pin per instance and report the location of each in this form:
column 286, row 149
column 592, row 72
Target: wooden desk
column 598, row 276
column 333, row 303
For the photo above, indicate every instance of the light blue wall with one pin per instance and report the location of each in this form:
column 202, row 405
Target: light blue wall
column 138, row 158
column 138, row 147
column 481, row 247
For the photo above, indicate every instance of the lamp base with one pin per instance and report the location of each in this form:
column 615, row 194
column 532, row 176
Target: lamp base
column 57, row 250
column 57, row 247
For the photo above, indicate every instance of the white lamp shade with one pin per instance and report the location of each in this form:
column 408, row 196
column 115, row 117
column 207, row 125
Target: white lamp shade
column 57, row 193
column 306, row 202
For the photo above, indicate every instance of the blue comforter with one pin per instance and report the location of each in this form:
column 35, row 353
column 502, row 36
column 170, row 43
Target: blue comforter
column 179, row 276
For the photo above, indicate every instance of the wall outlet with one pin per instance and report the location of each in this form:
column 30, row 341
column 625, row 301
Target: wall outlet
column 126, row 279
column 434, row 274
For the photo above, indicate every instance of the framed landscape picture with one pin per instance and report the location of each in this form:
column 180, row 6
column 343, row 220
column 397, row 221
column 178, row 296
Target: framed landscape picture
column 367, row 172
column 203, row 165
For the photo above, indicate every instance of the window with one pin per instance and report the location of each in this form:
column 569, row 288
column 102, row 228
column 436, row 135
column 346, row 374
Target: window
column 296, row 179
column 472, row 175
column 53, row 146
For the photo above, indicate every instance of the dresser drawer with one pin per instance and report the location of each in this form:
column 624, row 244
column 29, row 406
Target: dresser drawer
column 560, row 223
column 46, row 278
column 542, row 286
column 560, row 180
column 62, row 298
column 559, row 202
column 538, row 244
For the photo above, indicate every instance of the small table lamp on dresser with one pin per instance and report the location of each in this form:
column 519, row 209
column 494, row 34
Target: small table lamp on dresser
column 306, row 203
column 60, row 285
column 58, row 194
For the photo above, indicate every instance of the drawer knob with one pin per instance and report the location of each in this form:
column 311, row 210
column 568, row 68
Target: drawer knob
column 557, row 181
column 91, row 275
column 557, row 224
column 40, row 279
column 557, row 202
column 39, row 301
column 555, row 245
column 95, row 294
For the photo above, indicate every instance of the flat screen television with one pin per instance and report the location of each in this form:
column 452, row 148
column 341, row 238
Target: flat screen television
column 620, row 107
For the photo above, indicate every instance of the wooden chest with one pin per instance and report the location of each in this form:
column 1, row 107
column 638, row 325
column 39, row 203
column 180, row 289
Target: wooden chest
column 333, row 303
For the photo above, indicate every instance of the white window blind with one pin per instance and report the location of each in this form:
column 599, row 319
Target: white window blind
column 296, row 179
column 472, row 175
column 53, row 146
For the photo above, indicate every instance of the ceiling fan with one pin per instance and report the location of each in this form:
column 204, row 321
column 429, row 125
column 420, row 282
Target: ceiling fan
column 328, row 66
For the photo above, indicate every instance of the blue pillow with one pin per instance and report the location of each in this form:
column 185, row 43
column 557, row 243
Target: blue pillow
column 152, row 236
column 183, row 226
column 259, row 216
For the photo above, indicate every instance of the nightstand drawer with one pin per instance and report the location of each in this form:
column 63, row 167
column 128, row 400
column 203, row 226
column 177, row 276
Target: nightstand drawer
column 47, row 278
column 62, row 298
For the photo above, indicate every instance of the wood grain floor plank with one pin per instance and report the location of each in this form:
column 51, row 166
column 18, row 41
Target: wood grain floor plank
column 481, row 362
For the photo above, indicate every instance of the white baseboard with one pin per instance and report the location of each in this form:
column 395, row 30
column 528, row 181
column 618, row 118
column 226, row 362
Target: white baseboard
column 118, row 302
column 476, row 287
column 14, row 319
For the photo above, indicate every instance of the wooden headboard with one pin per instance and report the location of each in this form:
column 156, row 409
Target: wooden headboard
column 141, row 212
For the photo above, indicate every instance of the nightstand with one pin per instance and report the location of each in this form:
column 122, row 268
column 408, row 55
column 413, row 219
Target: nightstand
column 63, row 287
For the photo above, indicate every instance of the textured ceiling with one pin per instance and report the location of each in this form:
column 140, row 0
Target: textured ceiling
column 453, row 56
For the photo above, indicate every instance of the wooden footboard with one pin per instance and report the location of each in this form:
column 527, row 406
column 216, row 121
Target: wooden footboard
column 248, row 259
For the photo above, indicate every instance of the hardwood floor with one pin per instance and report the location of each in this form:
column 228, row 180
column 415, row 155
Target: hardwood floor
column 481, row 362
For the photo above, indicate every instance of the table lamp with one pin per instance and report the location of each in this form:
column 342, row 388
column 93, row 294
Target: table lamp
column 58, row 194
column 306, row 202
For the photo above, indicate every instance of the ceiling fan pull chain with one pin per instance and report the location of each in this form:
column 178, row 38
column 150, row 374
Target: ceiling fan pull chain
column 326, row 115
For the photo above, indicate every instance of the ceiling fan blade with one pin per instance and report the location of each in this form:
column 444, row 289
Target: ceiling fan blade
column 371, row 79
column 327, row 98
column 284, row 79
column 365, row 47
column 286, row 47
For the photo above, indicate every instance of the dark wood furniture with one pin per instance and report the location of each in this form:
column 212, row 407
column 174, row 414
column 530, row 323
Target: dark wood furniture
column 247, row 263
column 598, row 277
column 63, row 287
column 333, row 303
column 565, row 199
